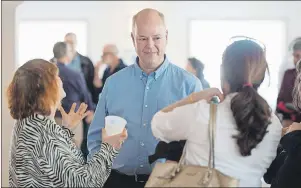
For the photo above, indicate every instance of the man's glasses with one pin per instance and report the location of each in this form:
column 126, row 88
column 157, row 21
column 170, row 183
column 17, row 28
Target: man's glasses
column 105, row 54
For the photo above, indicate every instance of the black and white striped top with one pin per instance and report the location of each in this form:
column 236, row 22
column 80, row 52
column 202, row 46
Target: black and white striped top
column 43, row 154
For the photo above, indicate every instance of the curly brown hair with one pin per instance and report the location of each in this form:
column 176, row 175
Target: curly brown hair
column 34, row 89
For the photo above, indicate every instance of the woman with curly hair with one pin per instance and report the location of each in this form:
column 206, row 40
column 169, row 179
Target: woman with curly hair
column 43, row 153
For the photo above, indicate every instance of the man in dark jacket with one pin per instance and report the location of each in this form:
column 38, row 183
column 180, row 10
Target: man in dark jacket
column 84, row 66
column 114, row 64
column 81, row 63
column 74, row 86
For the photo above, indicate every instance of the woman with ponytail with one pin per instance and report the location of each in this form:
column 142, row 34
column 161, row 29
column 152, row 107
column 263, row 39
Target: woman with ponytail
column 247, row 132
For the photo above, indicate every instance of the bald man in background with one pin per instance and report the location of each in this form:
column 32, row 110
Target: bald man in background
column 114, row 64
column 136, row 93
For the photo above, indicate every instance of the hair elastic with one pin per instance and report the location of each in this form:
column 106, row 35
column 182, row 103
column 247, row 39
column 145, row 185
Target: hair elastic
column 248, row 85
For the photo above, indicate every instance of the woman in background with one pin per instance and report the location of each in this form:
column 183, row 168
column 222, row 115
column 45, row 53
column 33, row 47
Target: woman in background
column 285, row 170
column 43, row 153
column 285, row 97
column 196, row 67
column 247, row 132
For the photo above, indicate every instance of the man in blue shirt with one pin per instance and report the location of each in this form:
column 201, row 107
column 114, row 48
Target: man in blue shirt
column 136, row 93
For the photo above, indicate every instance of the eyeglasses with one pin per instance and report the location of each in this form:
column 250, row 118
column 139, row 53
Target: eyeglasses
column 241, row 37
column 105, row 54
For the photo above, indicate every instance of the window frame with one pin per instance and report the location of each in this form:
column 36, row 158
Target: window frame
column 284, row 21
column 19, row 22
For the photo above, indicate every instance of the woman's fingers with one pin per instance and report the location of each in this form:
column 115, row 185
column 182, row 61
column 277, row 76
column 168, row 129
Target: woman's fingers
column 294, row 127
column 208, row 94
column 124, row 133
column 72, row 107
column 82, row 108
column 86, row 114
column 219, row 94
column 284, row 130
column 61, row 109
column 103, row 132
column 214, row 92
column 114, row 140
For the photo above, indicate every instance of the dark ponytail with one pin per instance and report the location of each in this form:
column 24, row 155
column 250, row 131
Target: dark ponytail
column 252, row 115
column 244, row 63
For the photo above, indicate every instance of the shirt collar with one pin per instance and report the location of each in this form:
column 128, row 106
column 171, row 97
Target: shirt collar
column 76, row 58
column 60, row 64
column 157, row 73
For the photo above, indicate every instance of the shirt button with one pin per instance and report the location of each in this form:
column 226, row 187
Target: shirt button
column 144, row 124
column 142, row 144
column 146, row 106
column 147, row 88
column 141, row 166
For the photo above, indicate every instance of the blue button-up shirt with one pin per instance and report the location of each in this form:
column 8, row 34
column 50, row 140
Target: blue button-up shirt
column 136, row 96
column 75, row 64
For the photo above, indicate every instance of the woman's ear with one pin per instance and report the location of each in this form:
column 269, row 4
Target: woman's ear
column 224, row 84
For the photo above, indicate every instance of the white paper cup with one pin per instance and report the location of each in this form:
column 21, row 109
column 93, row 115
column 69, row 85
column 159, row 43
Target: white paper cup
column 114, row 125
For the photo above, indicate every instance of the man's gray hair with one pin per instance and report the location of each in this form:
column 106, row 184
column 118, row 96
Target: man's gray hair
column 297, row 44
column 147, row 9
column 60, row 50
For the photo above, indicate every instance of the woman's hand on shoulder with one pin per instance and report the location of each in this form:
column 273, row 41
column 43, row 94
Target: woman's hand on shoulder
column 294, row 127
column 207, row 95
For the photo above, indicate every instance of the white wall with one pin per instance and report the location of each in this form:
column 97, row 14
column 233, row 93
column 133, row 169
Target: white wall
column 8, row 59
column 110, row 21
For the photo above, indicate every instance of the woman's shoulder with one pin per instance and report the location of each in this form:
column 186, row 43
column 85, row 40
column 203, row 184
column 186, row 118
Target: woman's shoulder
column 38, row 126
column 40, row 129
column 32, row 125
column 203, row 106
column 28, row 132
